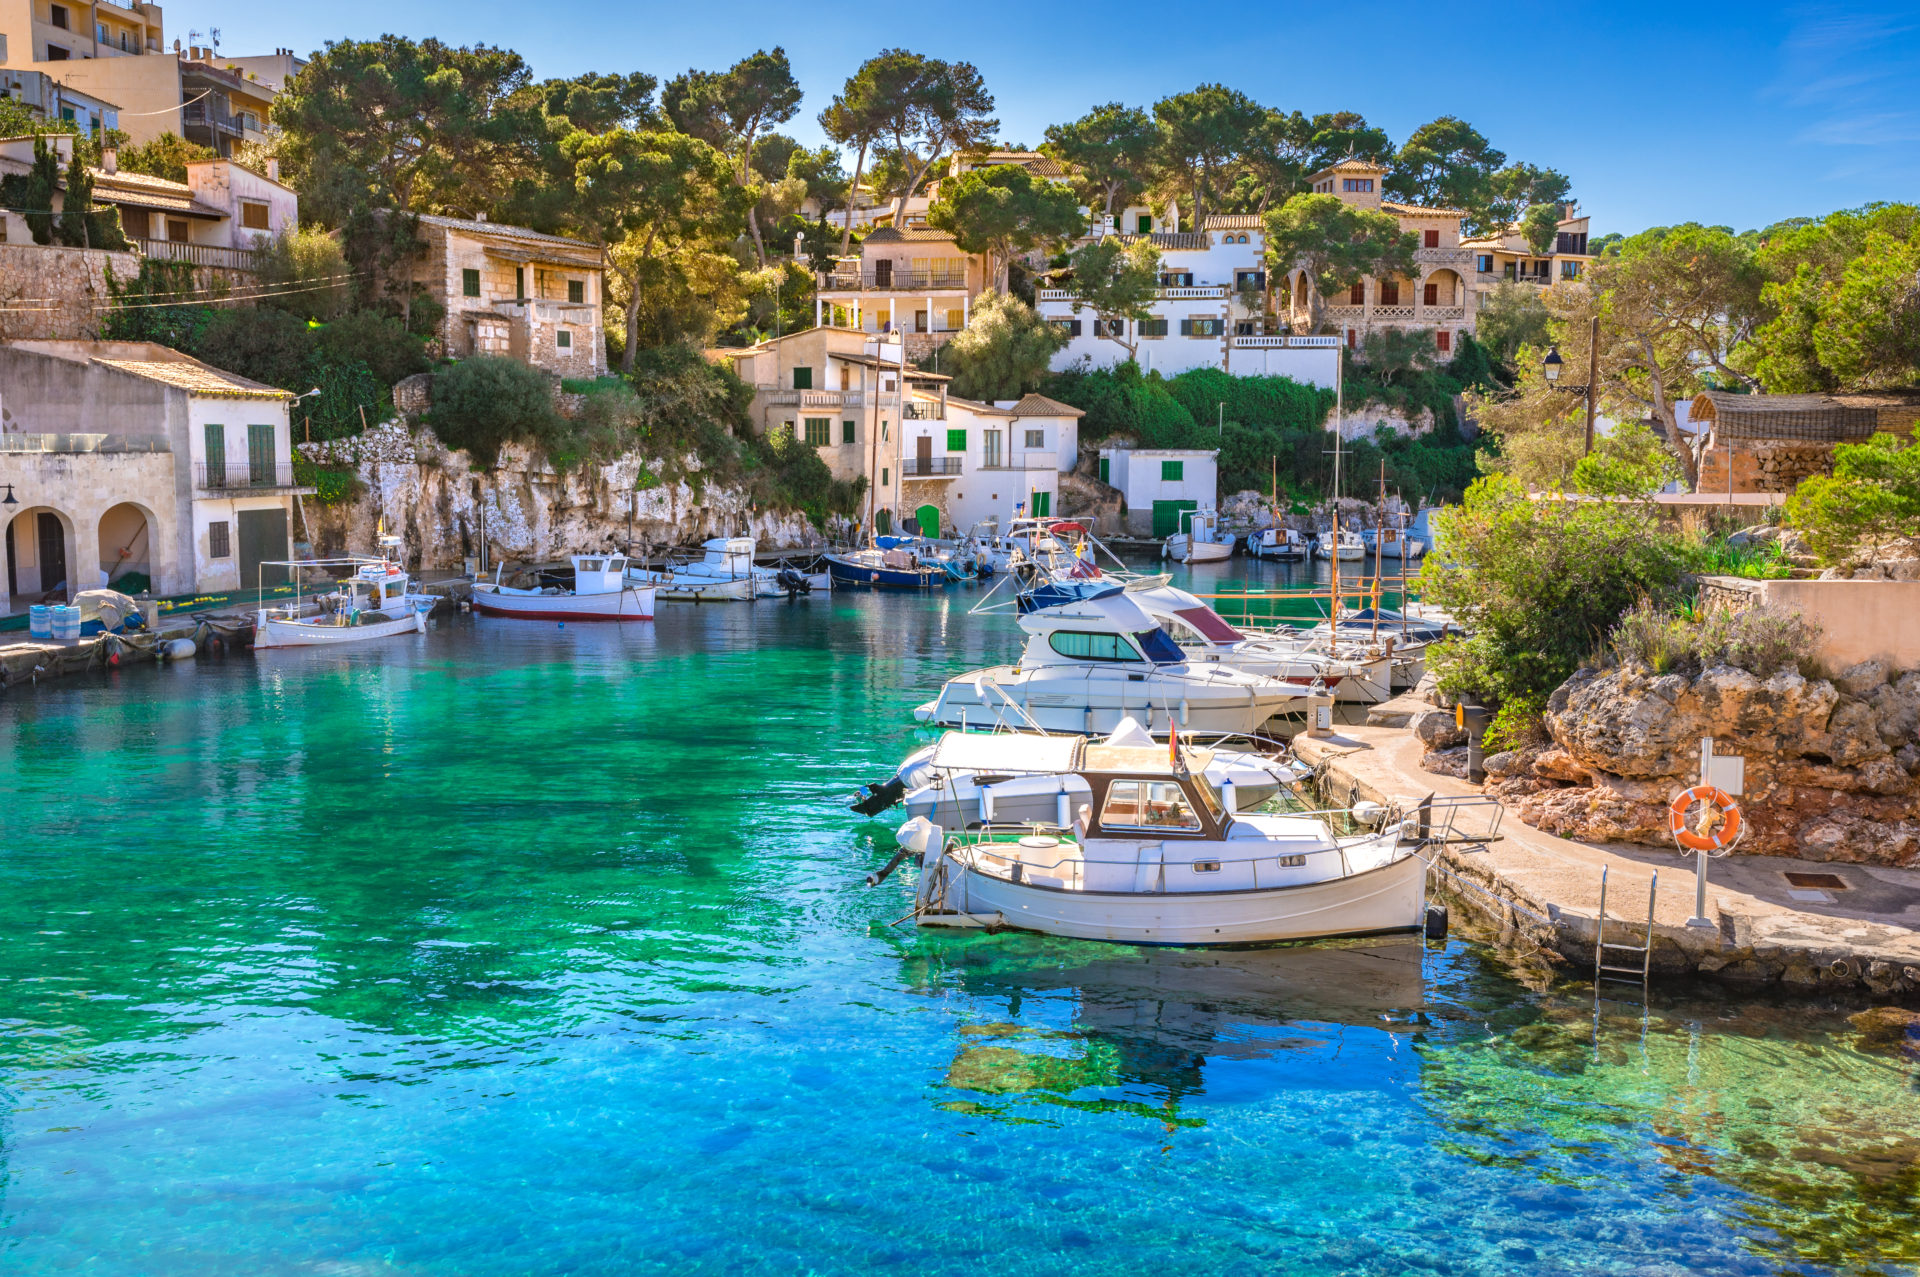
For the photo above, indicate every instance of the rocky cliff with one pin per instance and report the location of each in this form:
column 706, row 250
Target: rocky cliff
column 438, row 504
column 1832, row 767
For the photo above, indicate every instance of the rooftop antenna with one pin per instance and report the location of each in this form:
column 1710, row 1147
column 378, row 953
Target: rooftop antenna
column 213, row 33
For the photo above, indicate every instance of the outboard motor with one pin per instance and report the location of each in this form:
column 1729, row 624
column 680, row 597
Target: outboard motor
column 871, row 800
column 793, row 581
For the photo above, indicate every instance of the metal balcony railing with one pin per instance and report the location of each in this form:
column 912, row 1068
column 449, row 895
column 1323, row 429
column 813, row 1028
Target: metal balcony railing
column 893, row 281
column 922, row 410
column 242, row 476
column 930, row 467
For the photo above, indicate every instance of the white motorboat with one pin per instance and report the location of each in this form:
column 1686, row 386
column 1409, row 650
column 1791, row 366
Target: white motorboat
column 725, row 571
column 600, row 592
column 1156, row 856
column 968, row 778
column 1046, row 541
column 1345, row 546
column 374, row 600
column 1283, row 544
column 1092, row 662
column 1200, row 540
column 1352, row 674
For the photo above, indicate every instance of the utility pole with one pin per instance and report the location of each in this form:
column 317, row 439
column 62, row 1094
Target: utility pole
column 1593, row 377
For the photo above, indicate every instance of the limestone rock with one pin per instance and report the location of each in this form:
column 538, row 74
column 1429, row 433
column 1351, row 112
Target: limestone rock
column 1505, row 764
column 1882, row 1027
column 1862, row 679
column 1853, row 734
column 1436, row 729
column 1446, row 762
column 1558, row 764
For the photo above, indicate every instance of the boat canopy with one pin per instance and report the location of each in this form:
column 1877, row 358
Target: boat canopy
column 1002, row 752
column 1212, row 626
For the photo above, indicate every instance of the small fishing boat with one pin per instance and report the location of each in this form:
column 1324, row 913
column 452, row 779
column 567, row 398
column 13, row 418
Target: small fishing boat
column 600, row 592
column 725, row 571
column 374, row 599
column 1155, row 855
column 1344, row 545
column 1283, row 544
column 1200, row 540
column 1012, row 777
column 898, row 568
column 1093, row 662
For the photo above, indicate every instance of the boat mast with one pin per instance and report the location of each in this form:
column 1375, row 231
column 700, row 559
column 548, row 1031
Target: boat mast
column 1339, row 411
column 1379, row 547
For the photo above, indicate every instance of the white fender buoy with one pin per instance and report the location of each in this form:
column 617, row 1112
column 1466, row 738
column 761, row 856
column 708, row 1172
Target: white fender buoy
column 1368, row 812
column 180, row 649
column 986, row 803
column 1230, row 796
column 917, row 835
column 1060, row 809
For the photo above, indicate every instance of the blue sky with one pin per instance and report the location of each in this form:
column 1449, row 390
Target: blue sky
column 1735, row 114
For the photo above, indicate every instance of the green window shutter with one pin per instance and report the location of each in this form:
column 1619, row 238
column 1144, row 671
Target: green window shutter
column 577, row 291
column 883, row 483
column 803, row 379
column 956, row 441
column 1172, row 471
column 469, row 283
column 846, row 432
column 216, row 440
column 1186, row 328
column 819, row 431
column 520, row 283
column 260, row 454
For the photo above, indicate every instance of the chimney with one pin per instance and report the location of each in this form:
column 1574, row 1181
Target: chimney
column 109, row 159
column 273, row 169
column 479, row 217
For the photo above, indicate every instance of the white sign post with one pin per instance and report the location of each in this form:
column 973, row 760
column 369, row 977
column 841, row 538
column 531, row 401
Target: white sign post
column 1726, row 773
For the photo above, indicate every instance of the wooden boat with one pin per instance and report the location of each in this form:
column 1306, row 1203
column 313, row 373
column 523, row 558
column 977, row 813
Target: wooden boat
column 600, row 592
column 374, row 600
column 1283, row 544
column 1156, row 857
column 1200, row 540
column 895, row 569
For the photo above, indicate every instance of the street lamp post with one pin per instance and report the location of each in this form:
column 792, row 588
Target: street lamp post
column 1552, row 365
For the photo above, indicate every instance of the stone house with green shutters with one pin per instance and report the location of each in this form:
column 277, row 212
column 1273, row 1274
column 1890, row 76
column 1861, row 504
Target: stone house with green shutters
column 511, row 291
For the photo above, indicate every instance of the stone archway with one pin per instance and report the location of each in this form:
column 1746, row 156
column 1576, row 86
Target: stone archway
column 1443, row 289
column 129, row 536
column 41, row 558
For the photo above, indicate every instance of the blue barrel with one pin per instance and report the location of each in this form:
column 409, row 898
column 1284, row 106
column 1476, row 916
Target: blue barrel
column 40, row 621
column 66, row 624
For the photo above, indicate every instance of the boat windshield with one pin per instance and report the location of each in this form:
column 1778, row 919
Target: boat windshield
column 1159, row 649
column 1204, row 787
column 1211, row 625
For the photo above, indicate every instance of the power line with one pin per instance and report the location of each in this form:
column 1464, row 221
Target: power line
column 192, row 294
column 210, row 299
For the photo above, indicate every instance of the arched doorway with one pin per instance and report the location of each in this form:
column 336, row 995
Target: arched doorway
column 126, row 548
column 39, row 548
column 928, row 517
column 1443, row 288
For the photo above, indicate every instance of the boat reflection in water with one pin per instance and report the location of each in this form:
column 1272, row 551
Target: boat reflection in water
column 1156, row 1018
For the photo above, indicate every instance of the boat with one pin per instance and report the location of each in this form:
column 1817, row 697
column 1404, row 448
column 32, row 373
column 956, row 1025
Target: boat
column 601, row 592
column 1392, row 543
column 374, row 599
column 1156, row 856
column 1283, row 544
column 885, row 569
column 1200, row 540
column 966, row 778
column 1093, row 662
column 1344, row 544
column 1046, row 541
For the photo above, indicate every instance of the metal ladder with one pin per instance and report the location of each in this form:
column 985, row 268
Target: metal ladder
column 1602, row 969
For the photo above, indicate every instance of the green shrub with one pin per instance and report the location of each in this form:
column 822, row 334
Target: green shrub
column 1670, row 640
column 1519, row 722
column 332, row 484
column 1764, row 562
column 1872, row 497
column 484, row 403
column 305, row 274
column 270, row 346
column 380, row 342
column 1539, row 584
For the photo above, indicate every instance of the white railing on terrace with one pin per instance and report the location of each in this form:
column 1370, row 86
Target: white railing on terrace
column 1444, row 256
column 1276, row 343
column 218, row 255
column 1393, row 312
column 812, row 398
column 1443, row 312
column 1205, row 290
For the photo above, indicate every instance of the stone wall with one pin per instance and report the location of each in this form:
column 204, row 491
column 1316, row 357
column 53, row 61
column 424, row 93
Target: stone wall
column 439, row 504
column 1859, row 620
column 1360, row 422
column 50, row 293
column 1763, row 465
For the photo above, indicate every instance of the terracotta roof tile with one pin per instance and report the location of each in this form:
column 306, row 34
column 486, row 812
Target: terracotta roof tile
column 1234, row 222
column 1040, row 406
column 907, row 235
column 195, row 377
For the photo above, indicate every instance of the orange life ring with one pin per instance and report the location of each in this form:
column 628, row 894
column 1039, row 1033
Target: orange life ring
column 1723, row 834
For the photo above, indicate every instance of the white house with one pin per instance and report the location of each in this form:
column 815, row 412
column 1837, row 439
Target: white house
column 1210, row 311
column 1158, row 484
column 132, row 459
column 963, row 462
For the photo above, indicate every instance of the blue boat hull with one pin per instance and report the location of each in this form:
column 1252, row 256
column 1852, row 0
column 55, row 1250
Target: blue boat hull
column 845, row 573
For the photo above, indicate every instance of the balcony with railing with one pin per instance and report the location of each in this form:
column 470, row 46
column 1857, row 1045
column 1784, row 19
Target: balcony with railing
column 212, row 114
column 931, row 467
column 1443, row 256
column 849, row 279
column 812, row 398
column 923, row 410
column 216, row 255
column 243, row 476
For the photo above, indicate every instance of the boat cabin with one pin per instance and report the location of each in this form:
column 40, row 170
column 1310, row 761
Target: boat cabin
column 599, row 573
column 1137, row 799
column 733, row 555
column 1107, row 629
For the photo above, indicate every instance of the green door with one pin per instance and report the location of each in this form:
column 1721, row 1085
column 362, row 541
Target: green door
column 1106, row 470
column 928, row 517
column 1042, row 505
column 1166, row 516
column 263, row 537
column 260, row 465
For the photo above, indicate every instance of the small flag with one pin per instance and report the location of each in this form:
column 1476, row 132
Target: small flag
column 1173, row 746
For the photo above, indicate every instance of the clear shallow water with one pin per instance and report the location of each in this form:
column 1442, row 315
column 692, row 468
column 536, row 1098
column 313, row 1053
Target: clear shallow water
column 518, row 948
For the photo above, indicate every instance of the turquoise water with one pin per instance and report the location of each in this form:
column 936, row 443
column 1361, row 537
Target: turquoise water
column 516, row 948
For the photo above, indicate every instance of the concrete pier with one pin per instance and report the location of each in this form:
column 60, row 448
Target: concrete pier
column 1542, row 892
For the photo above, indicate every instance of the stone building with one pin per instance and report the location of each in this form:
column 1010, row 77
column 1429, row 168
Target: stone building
column 1769, row 443
column 126, row 460
column 516, row 292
